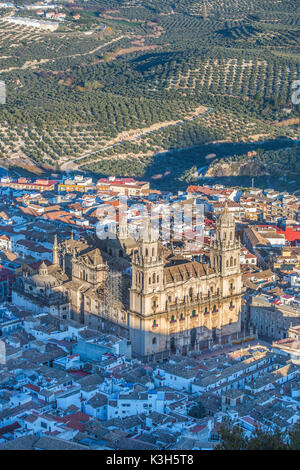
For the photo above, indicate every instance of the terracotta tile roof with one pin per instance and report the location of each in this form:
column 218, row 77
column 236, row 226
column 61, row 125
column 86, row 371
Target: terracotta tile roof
column 185, row 271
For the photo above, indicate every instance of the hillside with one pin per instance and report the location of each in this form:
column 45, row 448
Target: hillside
column 125, row 82
column 279, row 163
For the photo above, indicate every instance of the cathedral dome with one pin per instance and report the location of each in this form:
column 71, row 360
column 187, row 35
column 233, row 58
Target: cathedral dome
column 44, row 280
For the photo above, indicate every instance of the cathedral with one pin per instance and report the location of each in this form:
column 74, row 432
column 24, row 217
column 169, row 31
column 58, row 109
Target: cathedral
column 162, row 302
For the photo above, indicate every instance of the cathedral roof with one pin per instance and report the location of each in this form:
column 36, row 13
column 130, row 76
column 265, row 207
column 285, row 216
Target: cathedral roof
column 80, row 245
column 185, row 271
column 93, row 257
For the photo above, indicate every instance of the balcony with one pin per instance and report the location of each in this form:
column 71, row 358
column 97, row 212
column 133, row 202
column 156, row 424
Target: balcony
column 190, row 303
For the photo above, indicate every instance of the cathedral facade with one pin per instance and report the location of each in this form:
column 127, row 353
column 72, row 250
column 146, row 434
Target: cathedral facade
column 181, row 305
column 169, row 304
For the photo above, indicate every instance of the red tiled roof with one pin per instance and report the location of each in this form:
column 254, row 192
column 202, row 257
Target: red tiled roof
column 197, row 428
column 9, row 428
column 32, row 387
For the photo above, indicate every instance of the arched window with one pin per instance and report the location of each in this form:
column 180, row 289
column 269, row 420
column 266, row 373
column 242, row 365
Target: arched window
column 154, row 341
column 235, row 261
column 172, row 318
column 193, row 313
column 205, row 310
column 150, row 280
column 230, row 235
column 181, row 316
column 157, row 278
column 191, row 292
column 146, row 251
column 153, row 251
column 231, row 261
column 153, row 278
column 154, row 323
column 227, row 264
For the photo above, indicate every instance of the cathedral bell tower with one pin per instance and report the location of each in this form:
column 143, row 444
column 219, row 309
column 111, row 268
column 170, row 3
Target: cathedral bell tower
column 147, row 272
column 147, row 301
column 224, row 247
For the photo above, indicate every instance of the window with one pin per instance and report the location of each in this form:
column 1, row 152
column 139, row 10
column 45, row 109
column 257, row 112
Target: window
column 193, row 313
column 181, row 316
column 154, row 341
